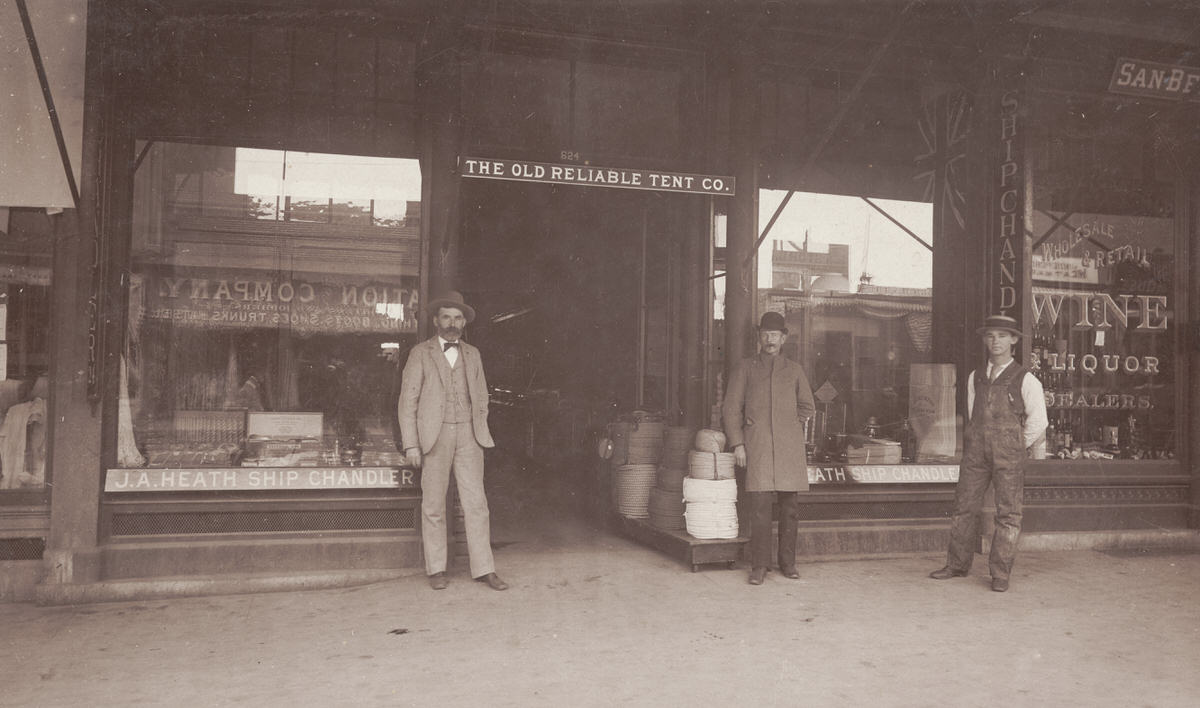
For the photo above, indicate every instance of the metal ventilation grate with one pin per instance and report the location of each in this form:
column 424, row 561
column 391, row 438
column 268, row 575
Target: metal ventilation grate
column 17, row 549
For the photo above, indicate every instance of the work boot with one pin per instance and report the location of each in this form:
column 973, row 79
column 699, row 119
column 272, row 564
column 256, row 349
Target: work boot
column 947, row 572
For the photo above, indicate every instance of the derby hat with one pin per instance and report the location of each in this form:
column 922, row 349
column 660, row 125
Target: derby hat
column 451, row 298
column 772, row 320
column 1002, row 322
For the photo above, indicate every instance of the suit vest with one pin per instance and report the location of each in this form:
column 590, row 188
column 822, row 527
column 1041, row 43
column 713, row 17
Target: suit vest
column 999, row 409
column 458, row 396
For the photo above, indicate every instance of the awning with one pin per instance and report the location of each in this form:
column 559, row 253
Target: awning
column 31, row 165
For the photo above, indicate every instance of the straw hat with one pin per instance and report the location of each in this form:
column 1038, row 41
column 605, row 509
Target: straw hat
column 452, row 298
column 1001, row 322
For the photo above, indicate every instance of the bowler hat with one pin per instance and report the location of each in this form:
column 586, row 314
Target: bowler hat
column 772, row 320
column 1002, row 322
column 452, row 298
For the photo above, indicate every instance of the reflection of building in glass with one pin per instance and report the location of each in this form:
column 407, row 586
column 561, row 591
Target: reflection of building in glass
column 251, row 289
column 796, row 268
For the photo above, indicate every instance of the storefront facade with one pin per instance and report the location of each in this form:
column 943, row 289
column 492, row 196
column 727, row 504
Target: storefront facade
column 275, row 189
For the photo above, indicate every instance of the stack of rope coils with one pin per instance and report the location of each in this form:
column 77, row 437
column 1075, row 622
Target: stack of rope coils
column 633, row 484
column 711, row 507
column 710, row 465
column 666, row 499
column 641, row 441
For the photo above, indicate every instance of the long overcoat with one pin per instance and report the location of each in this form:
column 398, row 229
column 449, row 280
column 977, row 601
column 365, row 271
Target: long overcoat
column 767, row 401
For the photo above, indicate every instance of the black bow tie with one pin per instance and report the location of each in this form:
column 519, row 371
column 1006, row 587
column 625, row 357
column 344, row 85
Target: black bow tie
column 447, row 345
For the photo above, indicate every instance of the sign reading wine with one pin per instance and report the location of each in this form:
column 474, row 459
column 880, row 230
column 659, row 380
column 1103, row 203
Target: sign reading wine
column 1103, row 336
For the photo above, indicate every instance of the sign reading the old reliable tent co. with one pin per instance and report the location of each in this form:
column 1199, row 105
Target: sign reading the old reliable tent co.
column 591, row 176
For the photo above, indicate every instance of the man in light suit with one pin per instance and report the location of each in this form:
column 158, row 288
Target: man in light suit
column 443, row 411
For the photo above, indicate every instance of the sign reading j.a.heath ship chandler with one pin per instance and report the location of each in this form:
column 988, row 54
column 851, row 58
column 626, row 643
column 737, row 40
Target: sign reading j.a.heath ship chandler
column 591, row 176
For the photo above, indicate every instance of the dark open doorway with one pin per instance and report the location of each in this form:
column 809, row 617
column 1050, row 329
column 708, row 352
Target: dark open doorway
column 572, row 288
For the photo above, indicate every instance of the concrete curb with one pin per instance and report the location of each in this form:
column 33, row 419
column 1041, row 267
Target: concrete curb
column 161, row 588
column 142, row 589
column 1178, row 539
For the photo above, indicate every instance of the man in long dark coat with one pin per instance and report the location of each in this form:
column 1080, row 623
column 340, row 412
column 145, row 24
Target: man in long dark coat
column 767, row 402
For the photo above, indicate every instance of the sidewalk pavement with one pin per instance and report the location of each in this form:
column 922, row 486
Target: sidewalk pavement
column 593, row 619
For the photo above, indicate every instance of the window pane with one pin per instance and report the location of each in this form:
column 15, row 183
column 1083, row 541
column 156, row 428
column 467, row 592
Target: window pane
column 270, row 308
column 856, row 291
column 1103, row 342
column 25, row 249
column 1104, row 266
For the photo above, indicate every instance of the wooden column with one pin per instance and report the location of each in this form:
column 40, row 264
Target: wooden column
column 74, row 434
column 1190, row 220
column 439, row 89
column 742, row 229
column 439, row 93
column 694, row 297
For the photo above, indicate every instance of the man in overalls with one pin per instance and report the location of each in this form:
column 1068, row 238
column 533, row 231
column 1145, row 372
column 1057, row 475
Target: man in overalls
column 1006, row 410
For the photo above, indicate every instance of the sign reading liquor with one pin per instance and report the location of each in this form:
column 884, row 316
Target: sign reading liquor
column 233, row 298
column 1148, row 78
column 591, row 176
column 260, row 478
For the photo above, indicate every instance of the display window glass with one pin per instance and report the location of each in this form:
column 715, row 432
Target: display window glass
column 853, row 277
column 272, row 297
column 25, row 290
column 1104, row 267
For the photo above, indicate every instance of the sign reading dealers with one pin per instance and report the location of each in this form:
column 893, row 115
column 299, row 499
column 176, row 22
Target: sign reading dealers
column 588, row 175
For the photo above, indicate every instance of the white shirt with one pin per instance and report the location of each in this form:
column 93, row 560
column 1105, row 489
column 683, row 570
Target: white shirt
column 1033, row 396
column 451, row 354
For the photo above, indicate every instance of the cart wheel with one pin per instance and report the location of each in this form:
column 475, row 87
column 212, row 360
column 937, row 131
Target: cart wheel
column 695, row 567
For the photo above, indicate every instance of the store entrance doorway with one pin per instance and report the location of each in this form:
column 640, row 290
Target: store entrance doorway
column 573, row 287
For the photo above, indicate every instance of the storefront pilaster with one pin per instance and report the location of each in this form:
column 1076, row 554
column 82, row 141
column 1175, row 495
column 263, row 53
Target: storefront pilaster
column 439, row 93
column 72, row 554
column 742, row 230
column 1191, row 345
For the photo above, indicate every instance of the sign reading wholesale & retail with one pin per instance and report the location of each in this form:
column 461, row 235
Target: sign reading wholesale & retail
column 591, row 176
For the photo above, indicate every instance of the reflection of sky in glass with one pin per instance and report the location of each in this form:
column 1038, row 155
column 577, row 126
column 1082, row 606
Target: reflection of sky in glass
column 322, row 176
column 394, row 310
column 877, row 246
column 390, row 213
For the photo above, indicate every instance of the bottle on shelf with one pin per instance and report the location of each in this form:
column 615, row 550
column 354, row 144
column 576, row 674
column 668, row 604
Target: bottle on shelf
column 908, row 442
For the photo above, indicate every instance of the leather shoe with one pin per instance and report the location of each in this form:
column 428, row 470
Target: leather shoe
column 999, row 584
column 493, row 581
column 757, row 575
column 789, row 571
column 947, row 572
column 437, row 581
